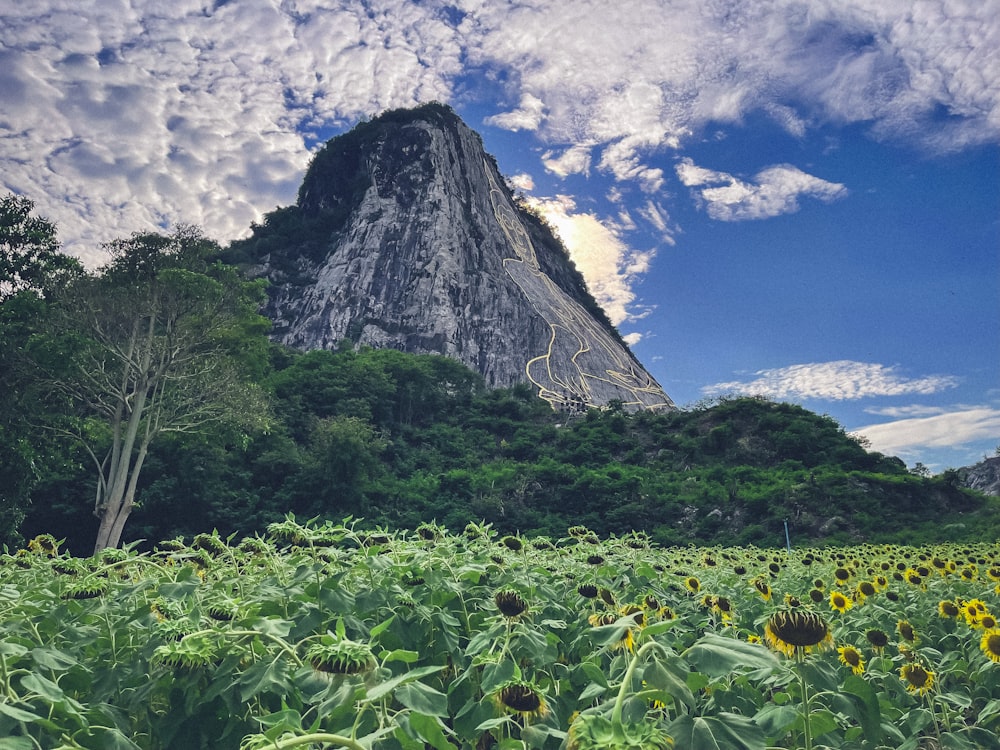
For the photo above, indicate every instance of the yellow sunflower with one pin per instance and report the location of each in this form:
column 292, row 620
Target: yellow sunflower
column 521, row 698
column 878, row 639
column 864, row 590
column 990, row 645
column 905, row 629
column 794, row 631
column 918, row 679
column 839, row 602
column 851, row 657
column 763, row 588
column 948, row 608
column 692, row 584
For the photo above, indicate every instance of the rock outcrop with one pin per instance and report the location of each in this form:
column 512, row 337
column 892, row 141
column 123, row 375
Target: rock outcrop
column 983, row 477
column 405, row 235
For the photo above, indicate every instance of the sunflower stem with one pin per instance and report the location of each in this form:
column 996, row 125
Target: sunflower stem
column 616, row 713
column 309, row 739
column 804, row 686
column 934, row 718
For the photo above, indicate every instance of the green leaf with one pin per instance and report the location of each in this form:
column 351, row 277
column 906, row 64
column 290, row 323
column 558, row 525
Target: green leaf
column 724, row 731
column 18, row 714
column 692, row 733
column 717, row 655
column 428, row 728
column 606, row 635
column 774, row 720
column 422, row 698
column 865, row 699
column 16, row 743
column 384, row 688
column 50, row 658
column 264, row 677
column 399, row 654
column 594, row 673
column 43, row 686
column 287, row 719
column 381, row 628
column 495, row 675
column 671, row 680
column 593, row 690
column 271, row 626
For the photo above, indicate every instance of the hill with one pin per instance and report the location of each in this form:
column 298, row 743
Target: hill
column 400, row 440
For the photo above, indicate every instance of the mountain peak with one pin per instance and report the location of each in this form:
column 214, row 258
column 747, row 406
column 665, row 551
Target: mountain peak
column 405, row 235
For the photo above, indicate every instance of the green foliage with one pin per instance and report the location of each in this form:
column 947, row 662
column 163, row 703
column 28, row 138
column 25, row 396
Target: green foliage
column 325, row 635
column 406, row 439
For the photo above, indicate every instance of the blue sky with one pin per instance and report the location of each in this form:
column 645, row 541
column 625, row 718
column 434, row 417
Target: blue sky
column 794, row 199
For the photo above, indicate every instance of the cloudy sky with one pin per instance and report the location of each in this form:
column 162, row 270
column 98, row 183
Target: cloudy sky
column 794, row 198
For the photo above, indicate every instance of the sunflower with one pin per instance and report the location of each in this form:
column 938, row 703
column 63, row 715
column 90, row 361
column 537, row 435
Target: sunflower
column 340, row 656
column 44, row 544
column 692, row 584
column 865, row 589
column 816, row 595
column 841, row 576
column 878, row 639
column 796, row 631
column 990, row 645
column 839, row 602
column 917, row 678
column 913, row 577
column 905, row 629
column 510, row 603
column 948, row 608
column 851, row 657
column 763, row 588
column 523, row 698
column 587, row 590
column 973, row 610
column 988, row 622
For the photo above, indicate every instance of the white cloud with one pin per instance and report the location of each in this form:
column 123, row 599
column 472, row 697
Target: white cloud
column 833, row 381
column 135, row 116
column 122, row 116
column 526, row 117
column 522, row 181
column 575, row 160
column 772, row 192
column 608, row 265
column 955, row 429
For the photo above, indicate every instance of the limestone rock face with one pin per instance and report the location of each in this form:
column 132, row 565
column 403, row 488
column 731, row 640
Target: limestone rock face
column 984, row 476
column 406, row 236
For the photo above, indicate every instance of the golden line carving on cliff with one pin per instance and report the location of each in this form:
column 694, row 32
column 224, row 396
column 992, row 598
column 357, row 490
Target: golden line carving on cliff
column 574, row 367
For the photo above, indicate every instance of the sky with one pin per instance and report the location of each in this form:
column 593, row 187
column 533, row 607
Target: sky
column 786, row 198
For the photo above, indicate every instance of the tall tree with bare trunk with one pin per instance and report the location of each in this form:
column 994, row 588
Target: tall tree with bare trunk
column 151, row 343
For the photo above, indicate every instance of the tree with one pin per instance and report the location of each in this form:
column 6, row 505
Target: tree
column 151, row 343
column 31, row 266
column 30, row 258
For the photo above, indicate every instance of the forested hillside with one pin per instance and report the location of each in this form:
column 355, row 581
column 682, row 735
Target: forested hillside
column 401, row 439
column 232, row 432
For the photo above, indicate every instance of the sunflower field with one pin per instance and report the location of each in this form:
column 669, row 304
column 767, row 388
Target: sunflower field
column 323, row 636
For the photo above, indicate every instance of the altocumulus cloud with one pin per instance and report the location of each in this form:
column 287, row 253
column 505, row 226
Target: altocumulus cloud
column 133, row 115
column 833, row 381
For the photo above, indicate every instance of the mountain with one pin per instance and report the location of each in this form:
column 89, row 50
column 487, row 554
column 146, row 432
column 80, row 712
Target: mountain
column 983, row 477
column 405, row 236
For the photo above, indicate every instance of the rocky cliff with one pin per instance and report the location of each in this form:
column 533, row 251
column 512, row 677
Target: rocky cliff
column 984, row 476
column 405, row 235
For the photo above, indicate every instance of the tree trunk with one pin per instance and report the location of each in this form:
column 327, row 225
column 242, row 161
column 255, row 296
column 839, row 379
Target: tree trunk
column 117, row 510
